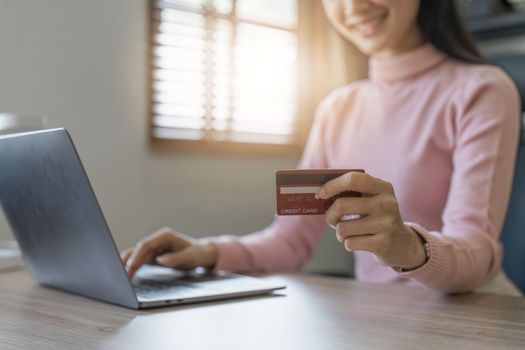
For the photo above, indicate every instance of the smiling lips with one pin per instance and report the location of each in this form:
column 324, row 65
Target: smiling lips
column 366, row 26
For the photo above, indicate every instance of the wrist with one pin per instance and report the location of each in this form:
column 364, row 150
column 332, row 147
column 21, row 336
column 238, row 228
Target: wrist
column 419, row 252
column 211, row 254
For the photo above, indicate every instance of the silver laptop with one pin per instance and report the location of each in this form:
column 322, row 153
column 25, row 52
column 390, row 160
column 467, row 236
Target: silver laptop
column 66, row 243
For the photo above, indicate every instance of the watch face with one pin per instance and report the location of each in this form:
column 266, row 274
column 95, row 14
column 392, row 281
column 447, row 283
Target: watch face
column 426, row 246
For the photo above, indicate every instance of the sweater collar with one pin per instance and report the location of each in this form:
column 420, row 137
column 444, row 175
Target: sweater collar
column 405, row 65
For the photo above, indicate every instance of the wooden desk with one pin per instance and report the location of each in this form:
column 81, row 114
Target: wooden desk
column 316, row 313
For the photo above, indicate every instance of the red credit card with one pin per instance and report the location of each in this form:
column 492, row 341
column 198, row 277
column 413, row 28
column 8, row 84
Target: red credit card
column 296, row 190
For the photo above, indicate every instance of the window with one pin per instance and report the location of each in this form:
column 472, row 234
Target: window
column 225, row 70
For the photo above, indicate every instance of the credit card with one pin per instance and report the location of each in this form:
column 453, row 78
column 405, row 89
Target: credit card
column 296, row 190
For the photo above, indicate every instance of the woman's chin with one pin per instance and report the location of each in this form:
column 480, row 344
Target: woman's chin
column 368, row 45
column 370, row 48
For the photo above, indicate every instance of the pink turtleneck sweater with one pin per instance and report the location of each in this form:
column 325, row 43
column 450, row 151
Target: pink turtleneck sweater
column 445, row 134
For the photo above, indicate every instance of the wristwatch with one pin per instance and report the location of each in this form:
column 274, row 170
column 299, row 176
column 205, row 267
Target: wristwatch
column 426, row 248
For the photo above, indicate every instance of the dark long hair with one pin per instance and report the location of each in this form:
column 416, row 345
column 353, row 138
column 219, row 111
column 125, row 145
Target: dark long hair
column 444, row 27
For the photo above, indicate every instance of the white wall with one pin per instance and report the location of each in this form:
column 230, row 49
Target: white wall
column 82, row 64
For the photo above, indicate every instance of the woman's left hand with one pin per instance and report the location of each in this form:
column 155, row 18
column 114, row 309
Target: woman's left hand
column 380, row 229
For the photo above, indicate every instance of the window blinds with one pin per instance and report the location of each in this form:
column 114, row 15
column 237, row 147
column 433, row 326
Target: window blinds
column 224, row 70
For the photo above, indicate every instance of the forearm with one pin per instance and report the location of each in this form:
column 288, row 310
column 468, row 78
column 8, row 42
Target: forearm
column 284, row 246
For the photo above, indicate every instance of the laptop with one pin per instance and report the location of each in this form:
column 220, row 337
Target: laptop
column 66, row 243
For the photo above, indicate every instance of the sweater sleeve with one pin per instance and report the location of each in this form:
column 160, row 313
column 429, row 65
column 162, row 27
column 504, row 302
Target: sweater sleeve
column 466, row 253
column 288, row 243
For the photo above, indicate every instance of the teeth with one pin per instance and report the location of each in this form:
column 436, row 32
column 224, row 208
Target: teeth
column 368, row 28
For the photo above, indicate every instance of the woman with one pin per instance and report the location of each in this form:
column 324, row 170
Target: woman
column 435, row 129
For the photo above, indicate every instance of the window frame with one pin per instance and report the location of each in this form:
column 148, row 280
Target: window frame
column 301, row 128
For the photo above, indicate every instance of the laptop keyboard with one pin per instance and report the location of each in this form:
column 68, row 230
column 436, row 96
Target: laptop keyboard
column 154, row 283
column 154, row 289
column 166, row 286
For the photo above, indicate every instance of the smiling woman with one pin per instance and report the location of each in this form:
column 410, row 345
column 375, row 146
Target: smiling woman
column 436, row 131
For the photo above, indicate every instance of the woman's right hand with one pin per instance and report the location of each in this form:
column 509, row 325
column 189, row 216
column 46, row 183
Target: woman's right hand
column 169, row 248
